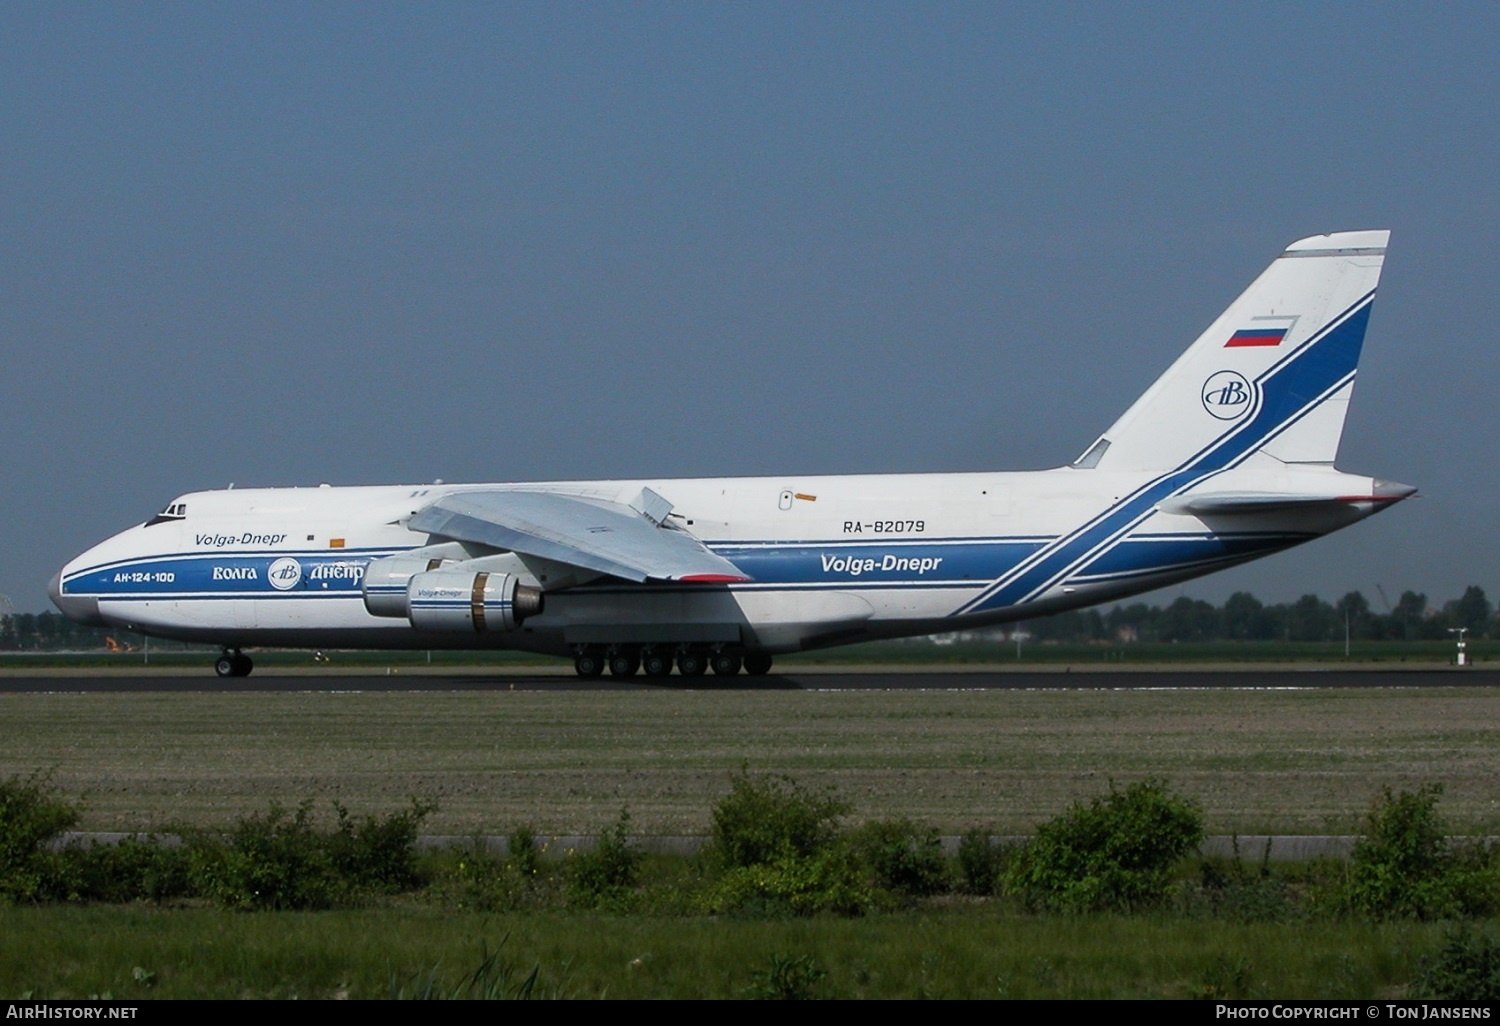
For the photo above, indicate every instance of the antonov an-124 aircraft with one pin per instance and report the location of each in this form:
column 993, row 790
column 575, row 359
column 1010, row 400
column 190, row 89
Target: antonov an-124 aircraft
column 1227, row 457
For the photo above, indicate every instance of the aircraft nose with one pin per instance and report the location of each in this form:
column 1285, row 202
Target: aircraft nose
column 82, row 609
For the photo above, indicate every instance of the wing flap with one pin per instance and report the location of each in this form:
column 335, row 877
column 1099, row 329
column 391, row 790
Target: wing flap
column 596, row 534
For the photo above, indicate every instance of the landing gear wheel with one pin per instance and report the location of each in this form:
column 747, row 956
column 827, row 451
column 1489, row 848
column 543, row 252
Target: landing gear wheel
column 692, row 664
column 233, row 664
column 624, row 664
column 657, row 663
column 725, row 665
column 589, row 664
column 757, row 664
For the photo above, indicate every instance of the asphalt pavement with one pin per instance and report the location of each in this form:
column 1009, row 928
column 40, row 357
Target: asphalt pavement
column 794, row 680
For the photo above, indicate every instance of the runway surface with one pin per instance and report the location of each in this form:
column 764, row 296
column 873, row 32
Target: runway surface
column 902, row 680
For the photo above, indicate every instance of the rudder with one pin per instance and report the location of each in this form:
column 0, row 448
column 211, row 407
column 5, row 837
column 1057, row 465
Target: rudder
column 1272, row 374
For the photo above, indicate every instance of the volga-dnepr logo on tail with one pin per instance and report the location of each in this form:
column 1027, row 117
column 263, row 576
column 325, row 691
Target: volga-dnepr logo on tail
column 1226, row 395
column 1228, row 456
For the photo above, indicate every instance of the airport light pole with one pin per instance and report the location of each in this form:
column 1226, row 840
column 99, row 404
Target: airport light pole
column 1463, row 654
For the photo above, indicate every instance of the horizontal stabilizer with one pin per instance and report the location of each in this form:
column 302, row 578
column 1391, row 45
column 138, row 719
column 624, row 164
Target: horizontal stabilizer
column 1241, row 503
column 606, row 537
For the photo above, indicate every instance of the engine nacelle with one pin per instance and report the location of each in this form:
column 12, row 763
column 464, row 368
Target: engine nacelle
column 384, row 586
column 466, row 600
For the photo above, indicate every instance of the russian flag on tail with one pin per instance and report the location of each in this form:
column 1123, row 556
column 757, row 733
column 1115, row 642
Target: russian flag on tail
column 1256, row 337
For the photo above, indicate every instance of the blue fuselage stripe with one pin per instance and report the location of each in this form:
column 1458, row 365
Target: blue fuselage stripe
column 936, row 564
column 1286, row 392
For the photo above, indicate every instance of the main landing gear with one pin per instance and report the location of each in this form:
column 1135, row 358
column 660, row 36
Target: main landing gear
column 590, row 661
column 233, row 663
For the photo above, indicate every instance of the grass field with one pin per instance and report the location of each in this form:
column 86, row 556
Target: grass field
column 961, row 952
column 1286, row 762
column 1264, row 761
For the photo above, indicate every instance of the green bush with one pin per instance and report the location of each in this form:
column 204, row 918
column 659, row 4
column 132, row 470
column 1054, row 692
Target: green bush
column 378, row 854
column 1467, row 968
column 902, row 858
column 525, row 853
column 1405, row 866
column 1474, row 878
column 281, row 860
column 1257, row 898
column 32, row 817
column 1400, row 865
column 779, row 846
column 1113, row 853
column 134, row 869
column 269, row 862
column 769, row 818
column 1229, row 889
column 831, row 881
column 605, row 876
column 981, row 863
column 473, row 879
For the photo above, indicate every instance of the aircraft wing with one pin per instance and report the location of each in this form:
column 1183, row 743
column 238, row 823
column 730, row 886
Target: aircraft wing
column 637, row 544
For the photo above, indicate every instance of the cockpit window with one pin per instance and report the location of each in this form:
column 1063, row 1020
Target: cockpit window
column 175, row 511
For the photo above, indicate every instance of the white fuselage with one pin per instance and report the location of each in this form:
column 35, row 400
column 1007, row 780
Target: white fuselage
column 831, row 560
column 1227, row 456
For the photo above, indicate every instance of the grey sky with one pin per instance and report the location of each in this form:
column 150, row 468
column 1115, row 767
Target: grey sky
column 356, row 243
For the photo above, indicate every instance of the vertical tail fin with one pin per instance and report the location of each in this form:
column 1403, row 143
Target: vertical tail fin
column 1272, row 374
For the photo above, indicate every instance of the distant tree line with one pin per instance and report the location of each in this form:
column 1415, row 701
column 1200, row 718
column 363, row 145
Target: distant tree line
column 51, row 631
column 1242, row 618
